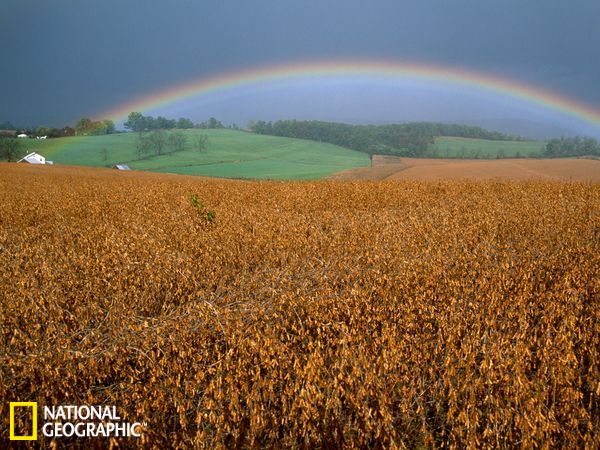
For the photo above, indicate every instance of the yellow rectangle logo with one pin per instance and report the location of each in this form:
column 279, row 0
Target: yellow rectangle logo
column 33, row 435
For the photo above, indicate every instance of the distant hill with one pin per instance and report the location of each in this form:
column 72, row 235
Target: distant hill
column 524, row 128
column 228, row 154
column 416, row 139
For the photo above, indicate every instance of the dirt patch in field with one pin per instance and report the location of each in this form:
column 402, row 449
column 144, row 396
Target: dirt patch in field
column 382, row 167
column 396, row 168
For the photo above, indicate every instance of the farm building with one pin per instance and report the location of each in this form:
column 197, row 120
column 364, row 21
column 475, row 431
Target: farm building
column 121, row 167
column 34, row 158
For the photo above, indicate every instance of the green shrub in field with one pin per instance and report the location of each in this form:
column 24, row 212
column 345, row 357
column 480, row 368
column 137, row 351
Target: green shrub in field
column 207, row 215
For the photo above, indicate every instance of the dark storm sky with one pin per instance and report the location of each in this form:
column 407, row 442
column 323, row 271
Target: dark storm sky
column 63, row 59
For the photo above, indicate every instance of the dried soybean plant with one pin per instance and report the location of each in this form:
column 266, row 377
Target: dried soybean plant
column 317, row 314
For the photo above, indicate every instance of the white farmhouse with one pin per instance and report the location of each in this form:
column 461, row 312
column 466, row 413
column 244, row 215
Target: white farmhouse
column 33, row 158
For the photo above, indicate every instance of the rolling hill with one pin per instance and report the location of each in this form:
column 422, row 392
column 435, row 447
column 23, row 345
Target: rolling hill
column 228, row 154
column 238, row 154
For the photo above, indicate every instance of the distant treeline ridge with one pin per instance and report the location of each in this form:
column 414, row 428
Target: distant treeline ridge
column 85, row 126
column 136, row 121
column 572, row 146
column 408, row 139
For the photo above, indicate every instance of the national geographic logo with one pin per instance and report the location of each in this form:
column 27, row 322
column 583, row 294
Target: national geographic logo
column 17, row 409
column 68, row 421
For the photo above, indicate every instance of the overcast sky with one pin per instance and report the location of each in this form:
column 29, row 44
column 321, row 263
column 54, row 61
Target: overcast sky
column 64, row 59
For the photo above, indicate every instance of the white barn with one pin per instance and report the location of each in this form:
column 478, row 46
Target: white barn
column 34, row 158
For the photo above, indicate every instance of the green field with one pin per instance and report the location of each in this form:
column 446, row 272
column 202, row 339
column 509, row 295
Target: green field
column 237, row 154
column 456, row 147
column 229, row 154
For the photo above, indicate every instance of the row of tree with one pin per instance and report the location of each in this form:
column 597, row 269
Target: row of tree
column 88, row 127
column 7, row 129
column 410, row 139
column 83, row 127
column 572, row 146
column 136, row 121
column 160, row 142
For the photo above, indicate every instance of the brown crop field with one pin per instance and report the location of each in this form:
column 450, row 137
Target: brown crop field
column 423, row 169
column 400, row 314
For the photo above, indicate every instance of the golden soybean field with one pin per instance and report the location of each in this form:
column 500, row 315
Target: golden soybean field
column 324, row 314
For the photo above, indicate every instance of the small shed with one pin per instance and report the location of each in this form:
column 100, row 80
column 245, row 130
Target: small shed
column 121, row 167
column 33, row 158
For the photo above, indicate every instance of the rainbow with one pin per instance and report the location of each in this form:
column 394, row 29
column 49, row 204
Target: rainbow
column 367, row 68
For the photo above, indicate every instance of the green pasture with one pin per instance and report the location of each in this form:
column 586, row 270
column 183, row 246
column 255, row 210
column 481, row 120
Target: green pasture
column 237, row 154
column 228, row 154
column 456, row 147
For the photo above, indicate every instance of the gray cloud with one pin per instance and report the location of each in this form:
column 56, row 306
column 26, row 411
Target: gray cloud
column 69, row 58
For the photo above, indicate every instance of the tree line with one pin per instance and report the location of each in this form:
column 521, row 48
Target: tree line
column 572, row 146
column 7, row 129
column 409, row 139
column 86, row 126
column 154, row 138
column 136, row 121
column 83, row 127
column 161, row 142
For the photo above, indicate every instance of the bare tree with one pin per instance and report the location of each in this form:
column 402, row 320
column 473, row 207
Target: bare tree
column 201, row 142
column 177, row 141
